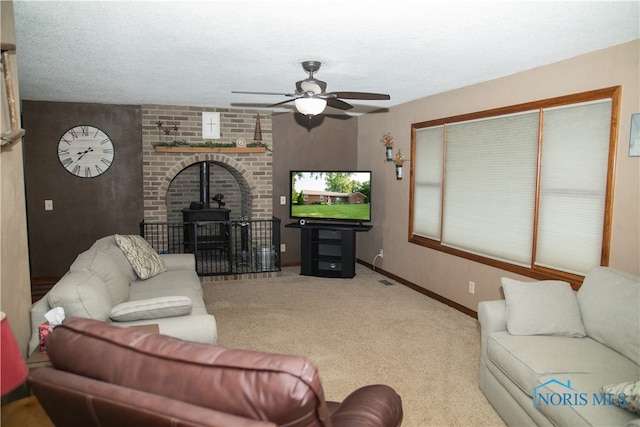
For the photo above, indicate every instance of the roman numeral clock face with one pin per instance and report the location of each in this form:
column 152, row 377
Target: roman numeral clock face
column 85, row 151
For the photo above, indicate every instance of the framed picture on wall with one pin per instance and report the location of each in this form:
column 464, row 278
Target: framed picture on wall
column 210, row 125
column 634, row 139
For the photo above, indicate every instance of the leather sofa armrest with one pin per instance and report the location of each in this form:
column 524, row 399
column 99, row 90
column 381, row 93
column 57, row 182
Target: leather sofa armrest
column 179, row 261
column 373, row 405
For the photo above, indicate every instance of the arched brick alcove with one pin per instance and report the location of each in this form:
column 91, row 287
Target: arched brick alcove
column 255, row 193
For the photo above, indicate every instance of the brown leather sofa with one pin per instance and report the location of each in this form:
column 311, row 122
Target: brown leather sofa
column 106, row 375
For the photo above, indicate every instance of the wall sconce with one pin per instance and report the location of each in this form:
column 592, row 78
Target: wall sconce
column 387, row 141
column 399, row 160
column 398, row 172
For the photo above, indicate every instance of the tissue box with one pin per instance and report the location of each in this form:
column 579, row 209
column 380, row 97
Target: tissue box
column 43, row 331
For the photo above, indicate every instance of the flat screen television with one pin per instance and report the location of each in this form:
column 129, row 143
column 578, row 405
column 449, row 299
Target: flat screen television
column 339, row 195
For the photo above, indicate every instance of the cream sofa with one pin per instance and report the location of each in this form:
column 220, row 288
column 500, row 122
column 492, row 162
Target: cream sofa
column 548, row 354
column 102, row 284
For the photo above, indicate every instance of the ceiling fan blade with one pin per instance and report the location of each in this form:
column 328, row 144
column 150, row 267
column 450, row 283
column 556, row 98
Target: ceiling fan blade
column 336, row 103
column 361, row 95
column 263, row 93
column 280, row 103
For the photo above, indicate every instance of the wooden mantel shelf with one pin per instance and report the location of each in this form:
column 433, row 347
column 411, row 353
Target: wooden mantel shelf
column 162, row 149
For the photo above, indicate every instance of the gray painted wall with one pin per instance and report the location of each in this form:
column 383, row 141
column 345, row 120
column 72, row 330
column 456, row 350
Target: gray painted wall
column 85, row 209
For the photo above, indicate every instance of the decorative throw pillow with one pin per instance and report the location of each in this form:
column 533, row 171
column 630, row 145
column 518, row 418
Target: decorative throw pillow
column 549, row 307
column 626, row 395
column 152, row 308
column 143, row 258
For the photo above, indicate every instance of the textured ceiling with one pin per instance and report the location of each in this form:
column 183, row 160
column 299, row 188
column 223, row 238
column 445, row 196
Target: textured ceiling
column 196, row 53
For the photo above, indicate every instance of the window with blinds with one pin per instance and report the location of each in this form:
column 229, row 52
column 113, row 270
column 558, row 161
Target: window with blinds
column 526, row 188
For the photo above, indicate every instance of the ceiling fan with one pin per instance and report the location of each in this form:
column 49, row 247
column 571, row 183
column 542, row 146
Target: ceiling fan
column 311, row 98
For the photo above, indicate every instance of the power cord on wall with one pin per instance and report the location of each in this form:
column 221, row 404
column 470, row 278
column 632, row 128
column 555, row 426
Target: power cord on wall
column 380, row 255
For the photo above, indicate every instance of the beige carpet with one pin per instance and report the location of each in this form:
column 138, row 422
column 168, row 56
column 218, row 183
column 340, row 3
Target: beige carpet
column 359, row 331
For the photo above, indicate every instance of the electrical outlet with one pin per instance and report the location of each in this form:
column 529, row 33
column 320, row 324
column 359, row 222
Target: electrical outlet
column 472, row 287
column 381, row 253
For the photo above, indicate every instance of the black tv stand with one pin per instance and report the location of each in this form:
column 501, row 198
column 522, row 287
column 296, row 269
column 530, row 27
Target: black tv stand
column 328, row 250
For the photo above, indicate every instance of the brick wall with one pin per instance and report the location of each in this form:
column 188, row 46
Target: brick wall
column 171, row 180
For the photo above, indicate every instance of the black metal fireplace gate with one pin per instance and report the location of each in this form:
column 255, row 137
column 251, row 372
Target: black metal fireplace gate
column 220, row 247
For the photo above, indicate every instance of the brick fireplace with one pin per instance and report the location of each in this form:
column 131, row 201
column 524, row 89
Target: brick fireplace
column 171, row 180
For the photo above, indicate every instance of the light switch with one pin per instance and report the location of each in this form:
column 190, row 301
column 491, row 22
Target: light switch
column 48, row 205
column 283, row 200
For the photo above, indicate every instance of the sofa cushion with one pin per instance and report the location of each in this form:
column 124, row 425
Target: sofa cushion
column 548, row 307
column 170, row 283
column 142, row 257
column 609, row 302
column 526, row 359
column 81, row 294
column 107, row 261
column 152, row 308
column 163, row 284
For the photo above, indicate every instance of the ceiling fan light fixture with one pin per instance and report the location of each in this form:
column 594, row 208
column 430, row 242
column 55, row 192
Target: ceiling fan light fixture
column 310, row 106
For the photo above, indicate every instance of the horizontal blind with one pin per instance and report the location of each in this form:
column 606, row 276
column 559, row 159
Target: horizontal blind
column 427, row 197
column 489, row 195
column 573, row 182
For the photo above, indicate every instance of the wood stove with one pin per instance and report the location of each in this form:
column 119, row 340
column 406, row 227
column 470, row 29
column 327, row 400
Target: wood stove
column 206, row 228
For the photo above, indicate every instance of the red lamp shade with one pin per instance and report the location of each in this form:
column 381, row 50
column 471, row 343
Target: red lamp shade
column 13, row 369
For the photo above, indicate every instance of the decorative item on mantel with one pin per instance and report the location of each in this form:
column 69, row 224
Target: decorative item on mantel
column 399, row 160
column 167, row 131
column 210, row 125
column 387, row 141
column 257, row 134
column 159, row 124
column 207, row 146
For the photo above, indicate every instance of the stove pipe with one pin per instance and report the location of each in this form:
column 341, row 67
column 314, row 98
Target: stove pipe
column 204, row 184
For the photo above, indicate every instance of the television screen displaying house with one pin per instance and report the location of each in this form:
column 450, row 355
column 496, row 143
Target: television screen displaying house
column 310, row 197
column 331, row 195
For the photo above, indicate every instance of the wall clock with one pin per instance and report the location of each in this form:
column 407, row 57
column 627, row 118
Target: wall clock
column 85, row 151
